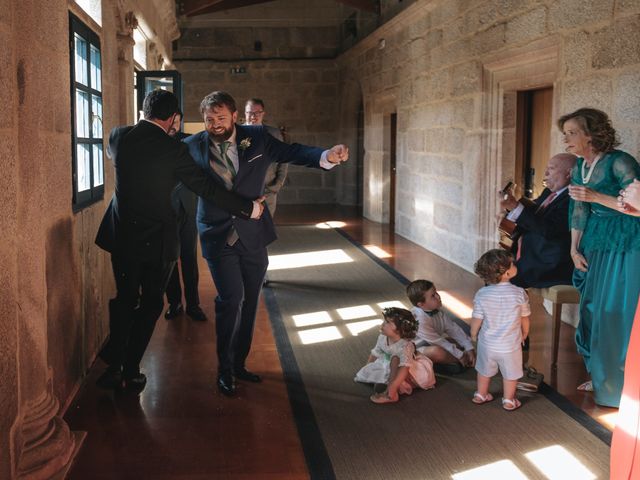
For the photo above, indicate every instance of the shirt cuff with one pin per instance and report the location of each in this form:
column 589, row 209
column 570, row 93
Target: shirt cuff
column 256, row 210
column 515, row 213
column 324, row 163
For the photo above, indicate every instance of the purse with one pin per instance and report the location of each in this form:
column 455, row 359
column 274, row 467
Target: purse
column 530, row 381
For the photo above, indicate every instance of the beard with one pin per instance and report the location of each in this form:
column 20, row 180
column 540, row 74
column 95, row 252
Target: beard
column 221, row 137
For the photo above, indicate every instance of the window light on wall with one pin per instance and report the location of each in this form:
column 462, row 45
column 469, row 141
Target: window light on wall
column 93, row 8
column 140, row 48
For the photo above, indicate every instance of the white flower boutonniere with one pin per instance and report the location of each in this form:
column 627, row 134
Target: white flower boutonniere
column 245, row 143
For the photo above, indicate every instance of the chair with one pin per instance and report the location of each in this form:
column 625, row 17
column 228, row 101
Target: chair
column 558, row 295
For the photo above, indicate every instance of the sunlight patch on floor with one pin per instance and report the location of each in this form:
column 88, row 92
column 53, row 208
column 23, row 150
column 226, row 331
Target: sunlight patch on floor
column 502, row 469
column 358, row 327
column 318, row 335
column 455, row 306
column 308, row 259
column 314, row 318
column 330, row 224
column 557, row 463
column 377, row 251
column 360, row 311
column 393, row 303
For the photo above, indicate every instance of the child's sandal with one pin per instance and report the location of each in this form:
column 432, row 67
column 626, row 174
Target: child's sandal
column 382, row 398
column 511, row 404
column 479, row 399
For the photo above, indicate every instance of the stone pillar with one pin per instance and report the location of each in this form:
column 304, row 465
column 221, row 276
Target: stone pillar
column 42, row 443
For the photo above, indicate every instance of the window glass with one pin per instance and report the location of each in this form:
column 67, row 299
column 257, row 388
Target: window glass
column 96, row 117
column 81, row 59
column 82, row 114
column 98, row 167
column 83, row 166
column 96, row 80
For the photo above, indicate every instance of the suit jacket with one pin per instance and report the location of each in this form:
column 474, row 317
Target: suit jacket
column 276, row 174
column 214, row 223
column 140, row 222
column 546, row 242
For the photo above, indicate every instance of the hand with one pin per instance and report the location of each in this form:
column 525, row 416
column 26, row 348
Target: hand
column 583, row 194
column 629, row 199
column 468, row 358
column 508, row 201
column 579, row 261
column 338, row 154
column 258, row 208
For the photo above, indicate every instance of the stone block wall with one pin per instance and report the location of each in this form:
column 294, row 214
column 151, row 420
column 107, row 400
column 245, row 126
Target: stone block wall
column 437, row 65
column 55, row 282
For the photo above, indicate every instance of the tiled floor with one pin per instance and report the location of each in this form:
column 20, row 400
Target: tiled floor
column 181, row 428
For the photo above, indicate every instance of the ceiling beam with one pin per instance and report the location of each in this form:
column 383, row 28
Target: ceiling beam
column 191, row 8
column 366, row 5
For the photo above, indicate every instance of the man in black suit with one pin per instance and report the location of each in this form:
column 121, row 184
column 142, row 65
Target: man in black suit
column 140, row 230
column 238, row 157
column 543, row 239
column 185, row 203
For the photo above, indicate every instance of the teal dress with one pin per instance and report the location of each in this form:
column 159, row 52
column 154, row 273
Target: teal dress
column 609, row 288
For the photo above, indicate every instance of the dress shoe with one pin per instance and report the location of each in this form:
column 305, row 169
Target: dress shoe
column 196, row 313
column 135, row 383
column 173, row 311
column 110, row 379
column 226, row 385
column 247, row 376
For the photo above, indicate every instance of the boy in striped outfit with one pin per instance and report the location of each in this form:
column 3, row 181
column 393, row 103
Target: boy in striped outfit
column 500, row 324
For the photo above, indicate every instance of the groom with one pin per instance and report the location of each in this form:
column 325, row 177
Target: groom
column 237, row 157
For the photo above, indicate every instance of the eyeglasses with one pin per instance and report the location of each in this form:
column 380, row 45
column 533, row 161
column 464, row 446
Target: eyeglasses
column 254, row 114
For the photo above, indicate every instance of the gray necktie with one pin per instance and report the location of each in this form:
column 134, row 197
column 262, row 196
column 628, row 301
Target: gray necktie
column 223, row 166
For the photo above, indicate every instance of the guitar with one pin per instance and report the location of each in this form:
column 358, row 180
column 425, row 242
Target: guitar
column 507, row 228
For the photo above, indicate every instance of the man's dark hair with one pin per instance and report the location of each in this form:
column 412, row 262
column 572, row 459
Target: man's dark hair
column 256, row 101
column 218, row 99
column 159, row 104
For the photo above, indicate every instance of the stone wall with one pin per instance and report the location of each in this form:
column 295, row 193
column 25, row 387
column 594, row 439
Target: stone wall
column 55, row 282
column 440, row 65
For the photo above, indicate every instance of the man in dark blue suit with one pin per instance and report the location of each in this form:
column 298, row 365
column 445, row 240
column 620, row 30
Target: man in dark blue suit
column 238, row 157
column 140, row 230
column 542, row 232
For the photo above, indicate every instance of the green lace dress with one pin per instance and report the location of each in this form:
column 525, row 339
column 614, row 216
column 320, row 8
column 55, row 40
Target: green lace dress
column 610, row 287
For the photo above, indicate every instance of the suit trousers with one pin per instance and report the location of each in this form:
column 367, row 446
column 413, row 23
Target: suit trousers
column 188, row 266
column 238, row 275
column 135, row 310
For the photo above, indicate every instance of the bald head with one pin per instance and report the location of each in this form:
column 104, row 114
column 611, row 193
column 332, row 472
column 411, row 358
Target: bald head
column 558, row 172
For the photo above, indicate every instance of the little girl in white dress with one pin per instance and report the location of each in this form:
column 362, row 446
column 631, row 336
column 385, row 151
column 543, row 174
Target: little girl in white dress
column 394, row 361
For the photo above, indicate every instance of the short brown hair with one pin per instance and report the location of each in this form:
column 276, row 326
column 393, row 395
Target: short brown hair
column 595, row 124
column 492, row 265
column 417, row 289
column 403, row 319
column 218, row 99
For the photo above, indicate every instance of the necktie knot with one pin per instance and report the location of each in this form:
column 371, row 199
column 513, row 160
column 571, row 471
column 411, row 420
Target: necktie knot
column 224, row 146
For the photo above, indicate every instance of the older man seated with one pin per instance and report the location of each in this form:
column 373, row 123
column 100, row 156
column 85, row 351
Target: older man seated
column 542, row 239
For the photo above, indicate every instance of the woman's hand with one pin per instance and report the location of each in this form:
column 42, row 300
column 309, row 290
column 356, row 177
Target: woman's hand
column 579, row 261
column 584, row 194
column 629, row 199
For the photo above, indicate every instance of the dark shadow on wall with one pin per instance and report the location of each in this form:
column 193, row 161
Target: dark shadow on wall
column 65, row 328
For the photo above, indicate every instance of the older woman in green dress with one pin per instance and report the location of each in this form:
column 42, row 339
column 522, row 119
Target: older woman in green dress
column 605, row 249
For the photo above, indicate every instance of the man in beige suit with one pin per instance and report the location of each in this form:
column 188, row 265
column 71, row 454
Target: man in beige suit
column 277, row 174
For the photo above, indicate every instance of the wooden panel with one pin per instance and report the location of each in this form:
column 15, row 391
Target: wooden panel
column 541, row 124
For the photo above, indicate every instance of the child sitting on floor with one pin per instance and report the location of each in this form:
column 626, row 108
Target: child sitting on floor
column 438, row 336
column 501, row 315
column 393, row 361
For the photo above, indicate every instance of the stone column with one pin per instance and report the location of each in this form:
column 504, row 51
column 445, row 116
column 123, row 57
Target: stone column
column 42, row 443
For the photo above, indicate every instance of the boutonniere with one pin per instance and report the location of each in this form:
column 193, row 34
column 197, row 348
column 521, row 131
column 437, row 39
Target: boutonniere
column 245, row 143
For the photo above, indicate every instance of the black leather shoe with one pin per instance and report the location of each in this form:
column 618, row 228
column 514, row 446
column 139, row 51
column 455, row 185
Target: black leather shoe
column 226, row 384
column 247, row 376
column 135, row 383
column 196, row 313
column 173, row 311
column 110, row 379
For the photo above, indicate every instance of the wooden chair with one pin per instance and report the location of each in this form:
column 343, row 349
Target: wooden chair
column 558, row 295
